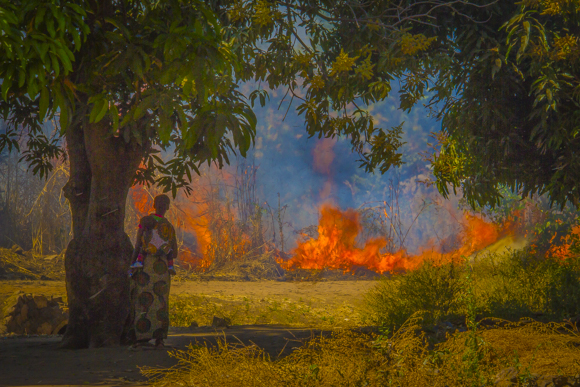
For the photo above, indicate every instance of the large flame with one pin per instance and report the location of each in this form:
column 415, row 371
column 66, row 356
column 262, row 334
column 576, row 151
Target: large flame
column 335, row 247
column 202, row 214
column 186, row 216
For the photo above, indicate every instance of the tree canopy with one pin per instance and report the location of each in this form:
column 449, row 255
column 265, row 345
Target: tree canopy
column 509, row 95
column 176, row 65
column 503, row 75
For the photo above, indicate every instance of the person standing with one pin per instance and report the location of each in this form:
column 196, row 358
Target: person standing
column 150, row 284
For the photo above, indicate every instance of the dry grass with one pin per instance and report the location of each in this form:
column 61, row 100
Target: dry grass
column 240, row 310
column 28, row 265
column 350, row 358
column 546, row 348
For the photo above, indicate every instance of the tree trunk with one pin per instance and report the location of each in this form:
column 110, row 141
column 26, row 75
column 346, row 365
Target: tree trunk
column 97, row 259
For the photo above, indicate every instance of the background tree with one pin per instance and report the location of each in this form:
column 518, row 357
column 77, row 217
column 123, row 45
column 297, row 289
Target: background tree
column 128, row 77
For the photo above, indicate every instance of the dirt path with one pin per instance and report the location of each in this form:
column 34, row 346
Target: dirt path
column 27, row 361
column 38, row 361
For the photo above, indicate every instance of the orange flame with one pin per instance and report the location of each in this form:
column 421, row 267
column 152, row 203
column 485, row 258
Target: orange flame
column 182, row 215
column 335, row 247
column 142, row 200
column 203, row 215
column 562, row 250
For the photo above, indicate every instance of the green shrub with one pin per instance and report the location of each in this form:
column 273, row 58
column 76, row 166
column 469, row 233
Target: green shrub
column 432, row 289
column 510, row 286
column 563, row 291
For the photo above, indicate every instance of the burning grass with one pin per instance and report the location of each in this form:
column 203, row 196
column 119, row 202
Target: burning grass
column 337, row 246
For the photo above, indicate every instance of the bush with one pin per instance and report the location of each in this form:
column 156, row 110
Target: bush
column 511, row 286
column 563, row 291
column 433, row 289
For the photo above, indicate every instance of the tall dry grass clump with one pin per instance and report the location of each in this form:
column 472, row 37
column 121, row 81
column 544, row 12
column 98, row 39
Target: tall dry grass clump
column 403, row 358
column 34, row 213
column 345, row 358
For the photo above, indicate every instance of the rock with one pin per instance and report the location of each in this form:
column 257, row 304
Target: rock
column 34, row 314
column 563, row 381
column 556, row 381
column 23, row 316
column 193, row 325
column 220, row 322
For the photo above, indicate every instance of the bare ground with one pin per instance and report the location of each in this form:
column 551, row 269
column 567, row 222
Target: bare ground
column 26, row 361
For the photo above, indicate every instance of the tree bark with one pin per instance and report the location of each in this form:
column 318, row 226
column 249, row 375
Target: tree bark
column 98, row 257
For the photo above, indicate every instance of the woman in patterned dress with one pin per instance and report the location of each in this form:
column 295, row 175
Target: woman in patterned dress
column 150, row 285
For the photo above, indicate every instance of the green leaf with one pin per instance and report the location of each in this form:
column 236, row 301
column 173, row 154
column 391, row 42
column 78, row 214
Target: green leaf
column 164, row 128
column 182, row 119
column 64, row 57
column 141, row 109
column 137, row 66
column 32, row 87
column 103, row 111
column 21, row 76
column 64, row 119
column 5, row 88
column 43, row 104
column 77, row 9
column 188, row 173
column 526, row 25
column 50, row 27
column 99, row 109
column 76, row 38
column 55, row 65
column 39, row 17
column 114, row 115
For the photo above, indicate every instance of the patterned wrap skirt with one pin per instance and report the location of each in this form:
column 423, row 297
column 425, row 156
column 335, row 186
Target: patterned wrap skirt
column 150, row 299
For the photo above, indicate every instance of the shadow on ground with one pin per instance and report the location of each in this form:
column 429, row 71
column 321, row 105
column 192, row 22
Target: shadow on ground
column 26, row 361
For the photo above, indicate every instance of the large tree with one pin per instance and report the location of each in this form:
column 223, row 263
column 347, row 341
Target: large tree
column 129, row 77
column 508, row 94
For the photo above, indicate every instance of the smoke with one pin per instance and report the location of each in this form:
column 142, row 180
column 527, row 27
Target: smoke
column 308, row 172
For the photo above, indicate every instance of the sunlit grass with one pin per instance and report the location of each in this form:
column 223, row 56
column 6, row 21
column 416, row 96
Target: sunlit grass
column 185, row 309
column 404, row 358
column 516, row 289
